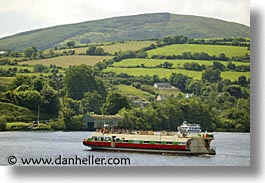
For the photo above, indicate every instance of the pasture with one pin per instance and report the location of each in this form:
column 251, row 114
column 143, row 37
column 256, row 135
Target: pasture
column 80, row 50
column 134, row 62
column 112, row 48
column 126, row 46
column 132, row 91
column 178, row 49
column 16, row 66
column 167, row 72
column 5, row 81
column 66, row 61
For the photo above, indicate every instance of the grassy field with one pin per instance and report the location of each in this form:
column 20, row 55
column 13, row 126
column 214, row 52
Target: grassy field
column 10, row 58
column 126, row 46
column 176, row 63
column 16, row 66
column 25, row 126
column 112, row 48
column 18, row 125
column 66, row 61
column 4, row 81
column 77, row 50
column 233, row 76
column 178, row 49
column 167, row 72
column 132, row 91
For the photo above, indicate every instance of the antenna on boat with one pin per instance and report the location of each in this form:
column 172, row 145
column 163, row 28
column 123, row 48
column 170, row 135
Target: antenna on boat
column 38, row 114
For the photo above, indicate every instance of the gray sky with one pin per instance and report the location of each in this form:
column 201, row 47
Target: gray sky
column 22, row 15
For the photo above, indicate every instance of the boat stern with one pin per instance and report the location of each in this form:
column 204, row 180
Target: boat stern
column 201, row 144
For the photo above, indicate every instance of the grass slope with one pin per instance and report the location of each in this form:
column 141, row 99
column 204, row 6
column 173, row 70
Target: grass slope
column 15, row 112
column 167, row 72
column 5, row 81
column 178, row 49
column 137, row 27
column 134, row 62
column 66, row 61
column 112, row 48
column 126, row 46
column 132, row 91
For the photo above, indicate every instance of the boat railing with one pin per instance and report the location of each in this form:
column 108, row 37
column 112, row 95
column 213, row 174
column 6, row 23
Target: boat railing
column 135, row 132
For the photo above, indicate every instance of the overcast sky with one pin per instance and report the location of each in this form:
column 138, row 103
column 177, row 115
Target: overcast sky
column 22, row 15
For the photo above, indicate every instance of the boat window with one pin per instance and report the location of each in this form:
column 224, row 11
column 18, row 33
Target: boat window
column 182, row 143
column 146, row 142
column 100, row 138
column 94, row 138
column 168, row 142
column 117, row 140
column 107, row 138
column 126, row 141
column 158, row 142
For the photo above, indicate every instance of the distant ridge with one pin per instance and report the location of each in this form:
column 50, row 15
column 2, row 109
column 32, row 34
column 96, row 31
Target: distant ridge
column 136, row 27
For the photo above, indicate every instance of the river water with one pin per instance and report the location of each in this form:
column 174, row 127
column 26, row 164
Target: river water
column 233, row 149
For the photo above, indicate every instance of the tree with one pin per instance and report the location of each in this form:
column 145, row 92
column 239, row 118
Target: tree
column 187, row 55
column 123, row 55
column 235, row 42
column 242, row 81
column 3, row 122
column 74, row 123
column 50, row 103
column 195, row 87
column 234, row 90
column 38, row 84
column 168, row 114
column 114, row 103
column 30, row 52
column 93, row 50
column 39, row 68
column 223, row 57
column 179, row 81
column 142, row 54
column 71, row 107
column 70, row 44
column 92, row 102
column 231, row 66
column 193, row 66
column 80, row 79
column 20, row 80
column 30, row 99
column 211, row 75
column 167, row 65
column 219, row 66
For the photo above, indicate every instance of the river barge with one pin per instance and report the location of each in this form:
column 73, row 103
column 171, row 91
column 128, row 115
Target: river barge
column 185, row 142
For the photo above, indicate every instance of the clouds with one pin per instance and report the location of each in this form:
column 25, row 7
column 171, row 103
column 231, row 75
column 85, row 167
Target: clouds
column 21, row 15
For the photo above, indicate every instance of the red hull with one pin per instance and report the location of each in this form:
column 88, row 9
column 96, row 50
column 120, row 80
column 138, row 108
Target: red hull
column 136, row 146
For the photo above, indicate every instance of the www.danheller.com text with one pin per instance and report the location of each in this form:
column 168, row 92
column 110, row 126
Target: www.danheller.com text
column 89, row 160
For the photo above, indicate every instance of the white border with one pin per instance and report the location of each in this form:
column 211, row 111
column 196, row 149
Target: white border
column 163, row 174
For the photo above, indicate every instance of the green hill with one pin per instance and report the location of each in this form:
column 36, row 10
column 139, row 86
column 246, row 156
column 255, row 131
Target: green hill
column 137, row 27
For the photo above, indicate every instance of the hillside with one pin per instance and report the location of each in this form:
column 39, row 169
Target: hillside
column 137, row 27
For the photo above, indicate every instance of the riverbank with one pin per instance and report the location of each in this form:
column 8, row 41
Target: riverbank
column 49, row 126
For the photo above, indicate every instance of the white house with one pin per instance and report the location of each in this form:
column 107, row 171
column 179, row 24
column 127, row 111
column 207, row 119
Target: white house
column 163, row 85
column 2, row 52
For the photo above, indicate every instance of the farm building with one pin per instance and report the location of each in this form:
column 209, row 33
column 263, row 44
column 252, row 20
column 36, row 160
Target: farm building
column 94, row 122
column 161, row 97
column 189, row 95
column 2, row 52
column 163, row 85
